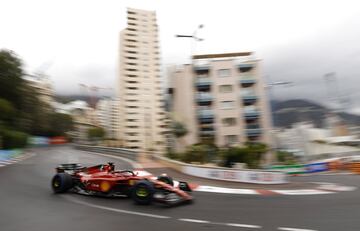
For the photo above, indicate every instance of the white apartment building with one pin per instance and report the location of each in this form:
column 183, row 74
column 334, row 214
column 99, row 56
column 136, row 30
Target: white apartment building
column 220, row 97
column 107, row 116
column 142, row 111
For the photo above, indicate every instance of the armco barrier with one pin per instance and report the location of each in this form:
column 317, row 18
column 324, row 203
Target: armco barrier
column 226, row 174
column 355, row 167
column 290, row 169
column 132, row 155
column 316, row 167
column 303, row 168
column 244, row 176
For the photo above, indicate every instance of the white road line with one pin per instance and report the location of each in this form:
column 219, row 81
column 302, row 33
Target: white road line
column 302, row 192
column 7, row 161
column 117, row 210
column 194, row 220
column 214, row 189
column 244, row 225
column 294, row 229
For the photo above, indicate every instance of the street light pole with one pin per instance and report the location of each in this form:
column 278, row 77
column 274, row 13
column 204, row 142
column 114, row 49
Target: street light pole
column 194, row 38
column 270, row 87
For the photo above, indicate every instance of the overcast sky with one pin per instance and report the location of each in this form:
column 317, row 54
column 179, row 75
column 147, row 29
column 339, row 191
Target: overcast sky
column 77, row 41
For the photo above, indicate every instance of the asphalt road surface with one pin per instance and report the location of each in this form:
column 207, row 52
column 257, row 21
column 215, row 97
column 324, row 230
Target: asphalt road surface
column 27, row 203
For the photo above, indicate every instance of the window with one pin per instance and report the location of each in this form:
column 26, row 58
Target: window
column 227, row 104
column 224, row 72
column 229, row 121
column 225, row 88
column 231, row 139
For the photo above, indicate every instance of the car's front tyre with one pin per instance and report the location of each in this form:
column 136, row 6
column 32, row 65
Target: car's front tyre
column 142, row 192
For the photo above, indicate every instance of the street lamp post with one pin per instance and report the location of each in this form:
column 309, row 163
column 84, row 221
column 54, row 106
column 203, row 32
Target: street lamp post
column 270, row 87
column 194, row 38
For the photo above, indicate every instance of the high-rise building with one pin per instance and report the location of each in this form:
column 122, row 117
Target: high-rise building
column 142, row 111
column 221, row 98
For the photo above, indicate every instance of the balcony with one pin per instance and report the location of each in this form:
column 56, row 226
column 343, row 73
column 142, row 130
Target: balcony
column 247, row 81
column 204, row 98
column 249, row 97
column 253, row 132
column 206, row 116
column 206, row 133
column 201, row 66
column 203, row 83
column 245, row 67
column 251, row 115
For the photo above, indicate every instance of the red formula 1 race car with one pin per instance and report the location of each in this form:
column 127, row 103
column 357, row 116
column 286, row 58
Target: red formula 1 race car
column 103, row 180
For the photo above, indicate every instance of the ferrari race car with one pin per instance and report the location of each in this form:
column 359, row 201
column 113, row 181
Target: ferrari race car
column 103, row 180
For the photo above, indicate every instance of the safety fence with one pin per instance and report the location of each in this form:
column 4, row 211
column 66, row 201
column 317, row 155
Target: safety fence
column 254, row 176
column 41, row 141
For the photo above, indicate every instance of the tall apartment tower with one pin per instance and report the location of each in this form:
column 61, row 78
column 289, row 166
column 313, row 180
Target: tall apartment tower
column 142, row 111
column 221, row 98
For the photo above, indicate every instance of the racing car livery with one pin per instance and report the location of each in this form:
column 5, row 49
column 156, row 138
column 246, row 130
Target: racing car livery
column 103, row 180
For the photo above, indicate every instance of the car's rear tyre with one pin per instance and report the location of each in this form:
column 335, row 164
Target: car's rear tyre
column 142, row 192
column 166, row 179
column 61, row 183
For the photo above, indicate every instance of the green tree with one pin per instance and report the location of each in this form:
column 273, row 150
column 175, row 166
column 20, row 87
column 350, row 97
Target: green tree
column 7, row 110
column 11, row 73
column 195, row 153
column 179, row 129
column 250, row 154
column 96, row 133
column 60, row 124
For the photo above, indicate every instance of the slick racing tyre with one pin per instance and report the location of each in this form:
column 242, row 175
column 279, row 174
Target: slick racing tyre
column 142, row 192
column 61, row 182
column 166, row 179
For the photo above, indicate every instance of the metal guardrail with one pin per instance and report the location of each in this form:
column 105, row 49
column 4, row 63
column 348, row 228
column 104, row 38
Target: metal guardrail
column 123, row 152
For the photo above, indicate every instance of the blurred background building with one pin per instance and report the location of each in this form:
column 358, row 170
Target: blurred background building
column 84, row 118
column 107, row 116
column 311, row 143
column 142, row 111
column 220, row 98
column 42, row 86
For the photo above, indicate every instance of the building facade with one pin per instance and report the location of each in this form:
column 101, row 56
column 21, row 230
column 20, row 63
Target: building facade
column 107, row 116
column 142, row 111
column 220, row 97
